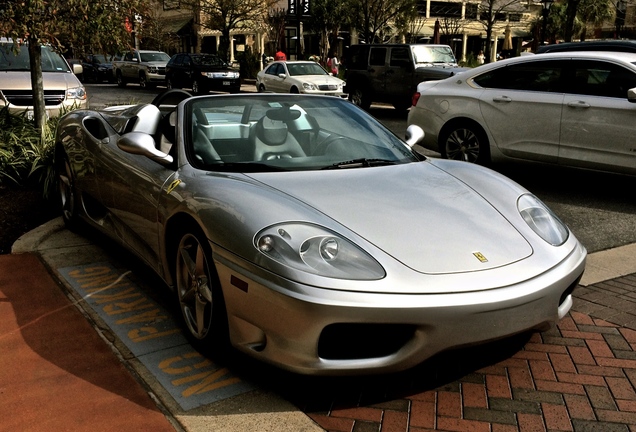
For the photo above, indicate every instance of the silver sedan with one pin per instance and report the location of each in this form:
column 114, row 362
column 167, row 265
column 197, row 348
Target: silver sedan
column 300, row 231
column 574, row 109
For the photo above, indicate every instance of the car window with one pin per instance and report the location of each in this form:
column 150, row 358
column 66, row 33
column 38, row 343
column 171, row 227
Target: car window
column 399, row 57
column 158, row 56
column 274, row 133
column 10, row 61
column 543, row 76
column 436, row 54
column 297, row 69
column 599, row 78
column 378, row 57
column 358, row 57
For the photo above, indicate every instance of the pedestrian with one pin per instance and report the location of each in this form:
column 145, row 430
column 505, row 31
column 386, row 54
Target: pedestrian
column 280, row 56
column 481, row 58
column 333, row 63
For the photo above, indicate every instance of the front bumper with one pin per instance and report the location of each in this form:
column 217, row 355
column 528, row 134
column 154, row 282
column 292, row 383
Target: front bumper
column 311, row 330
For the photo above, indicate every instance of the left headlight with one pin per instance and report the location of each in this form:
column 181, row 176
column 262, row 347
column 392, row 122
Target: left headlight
column 309, row 86
column 76, row 93
column 313, row 249
column 542, row 221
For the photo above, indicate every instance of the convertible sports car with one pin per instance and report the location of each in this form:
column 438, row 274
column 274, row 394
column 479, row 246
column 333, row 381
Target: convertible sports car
column 304, row 233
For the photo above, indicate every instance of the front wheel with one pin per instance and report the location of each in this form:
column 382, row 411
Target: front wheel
column 144, row 83
column 68, row 198
column 199, row 293
column 261, row 88
column 121, row 82
column 360, row 97
column 196, row 87
column 465, row 142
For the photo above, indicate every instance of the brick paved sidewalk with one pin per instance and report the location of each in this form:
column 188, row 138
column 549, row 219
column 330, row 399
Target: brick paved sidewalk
column 578, row 377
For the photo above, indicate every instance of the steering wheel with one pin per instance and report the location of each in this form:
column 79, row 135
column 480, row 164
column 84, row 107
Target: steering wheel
column 322, row 148
column 173, row 95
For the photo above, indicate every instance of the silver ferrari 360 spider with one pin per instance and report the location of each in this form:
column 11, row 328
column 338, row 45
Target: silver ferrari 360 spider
column 306, row 234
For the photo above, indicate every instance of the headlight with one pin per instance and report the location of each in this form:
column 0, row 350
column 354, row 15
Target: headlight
column 316, row 250
column 309, row 86
column 76, row 93
column 218, row 75
column 542, row 221
column 153, row 69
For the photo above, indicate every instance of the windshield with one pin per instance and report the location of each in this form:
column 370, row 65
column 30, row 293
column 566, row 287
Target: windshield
column 101, row 58
column 208, row 60
column 425, row 54
column 10, row 61
column 287, row 133
column 296, row 69
column 154, row 57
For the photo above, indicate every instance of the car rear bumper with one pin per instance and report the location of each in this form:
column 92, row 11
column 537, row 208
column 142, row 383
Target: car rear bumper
column 328, row 332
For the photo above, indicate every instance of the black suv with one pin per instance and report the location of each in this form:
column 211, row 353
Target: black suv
column 202, row 73
column 391, row 72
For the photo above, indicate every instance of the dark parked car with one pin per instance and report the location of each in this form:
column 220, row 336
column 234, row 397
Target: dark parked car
column 391, row 72
column 598, row 45
column 202, row 73
column 98, row 68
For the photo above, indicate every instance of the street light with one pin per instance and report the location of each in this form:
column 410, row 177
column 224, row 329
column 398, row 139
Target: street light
column 546, row 11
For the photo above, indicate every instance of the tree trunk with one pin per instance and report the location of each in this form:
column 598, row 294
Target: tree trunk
column 37, row 84
column 570, row 16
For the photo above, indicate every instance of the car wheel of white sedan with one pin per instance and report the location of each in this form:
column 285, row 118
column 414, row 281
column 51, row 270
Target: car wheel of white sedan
column 261, row 88
column 465, row 142
column 200, row 298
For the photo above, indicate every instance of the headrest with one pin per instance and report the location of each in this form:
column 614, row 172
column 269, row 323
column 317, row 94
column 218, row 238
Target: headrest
column 272, row 132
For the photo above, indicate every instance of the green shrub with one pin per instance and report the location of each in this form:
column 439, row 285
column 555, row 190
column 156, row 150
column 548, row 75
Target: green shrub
column 26, row 158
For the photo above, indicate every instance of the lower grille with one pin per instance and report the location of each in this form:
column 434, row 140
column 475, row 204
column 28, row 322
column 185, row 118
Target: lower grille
column 348, row 341
column 25, row 97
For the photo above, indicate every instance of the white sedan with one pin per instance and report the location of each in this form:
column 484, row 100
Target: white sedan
column 298, row 77
column 574, row 109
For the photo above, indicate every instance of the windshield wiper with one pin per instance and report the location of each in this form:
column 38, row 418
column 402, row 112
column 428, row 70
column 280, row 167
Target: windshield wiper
column 359, row 163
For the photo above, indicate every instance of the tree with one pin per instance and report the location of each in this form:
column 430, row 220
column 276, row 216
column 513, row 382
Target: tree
column 227, row 16
column 492, row 11
column 99, row 24
column 595, row 12
column 327, row 17
column 373, row 18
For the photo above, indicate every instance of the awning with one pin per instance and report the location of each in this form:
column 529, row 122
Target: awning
column 175, row 25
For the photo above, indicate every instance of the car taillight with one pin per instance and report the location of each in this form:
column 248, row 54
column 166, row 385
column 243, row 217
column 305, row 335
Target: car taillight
column 415, row 98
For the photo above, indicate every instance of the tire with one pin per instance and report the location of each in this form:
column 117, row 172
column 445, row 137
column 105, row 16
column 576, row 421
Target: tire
column 199, row 294
column 68, row 198
column 465, row 142
column 196, row 87
column 361, row 97
column 144, row 83
column 261, row 88
column 121, row 82
column 294, row 90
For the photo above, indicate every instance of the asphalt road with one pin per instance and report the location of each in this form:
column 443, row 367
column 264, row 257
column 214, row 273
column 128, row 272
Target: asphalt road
column 599, row 208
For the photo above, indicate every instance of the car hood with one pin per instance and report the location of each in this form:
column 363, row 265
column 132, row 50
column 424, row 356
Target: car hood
column 417, row 213
column 14, row 80
column 319, row 79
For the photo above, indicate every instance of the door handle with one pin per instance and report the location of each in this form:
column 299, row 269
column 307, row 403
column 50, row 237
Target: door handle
column 501, row 99
column 578, row 104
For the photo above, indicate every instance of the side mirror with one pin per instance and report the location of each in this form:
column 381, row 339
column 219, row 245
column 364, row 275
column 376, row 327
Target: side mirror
column 414, row 135
column 78, row 69
column 631, row 95
column 282, row 75
column 140, row 143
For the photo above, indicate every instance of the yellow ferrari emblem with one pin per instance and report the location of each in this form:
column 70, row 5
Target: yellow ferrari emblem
column 172, row 186
column 480, row 256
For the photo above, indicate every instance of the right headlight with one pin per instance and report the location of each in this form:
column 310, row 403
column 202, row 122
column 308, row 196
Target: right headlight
column 542, row 221
column 314, row 249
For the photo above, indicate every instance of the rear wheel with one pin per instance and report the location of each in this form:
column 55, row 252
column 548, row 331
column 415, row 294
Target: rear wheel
column 199, row 293
column 465, row 142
